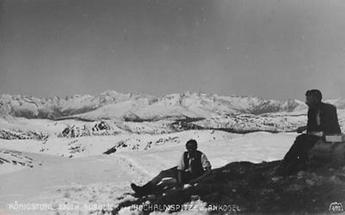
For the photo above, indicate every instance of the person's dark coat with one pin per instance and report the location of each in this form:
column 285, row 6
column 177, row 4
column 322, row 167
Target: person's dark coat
column 328, row 119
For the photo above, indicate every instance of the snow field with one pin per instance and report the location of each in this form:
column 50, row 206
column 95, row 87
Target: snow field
column 90, row 178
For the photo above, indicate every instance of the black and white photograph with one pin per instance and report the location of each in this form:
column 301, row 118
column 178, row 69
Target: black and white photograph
column 183, row 107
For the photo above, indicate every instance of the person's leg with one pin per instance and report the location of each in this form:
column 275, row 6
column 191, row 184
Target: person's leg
column 296, row 157
column 307, row 145
column 157, row 182
column 186, row 177
column 165, row 184
column 296, row 147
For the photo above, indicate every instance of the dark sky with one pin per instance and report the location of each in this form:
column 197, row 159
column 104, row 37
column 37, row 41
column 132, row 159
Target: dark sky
column 267, row 48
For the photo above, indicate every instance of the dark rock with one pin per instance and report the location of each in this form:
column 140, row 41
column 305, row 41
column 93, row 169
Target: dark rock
column 110, row 151
column 256, row 189
column 327, row 154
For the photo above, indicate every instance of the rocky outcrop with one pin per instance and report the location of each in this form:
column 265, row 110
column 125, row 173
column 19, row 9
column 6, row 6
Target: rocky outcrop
column 327, row 153
column 11, row 134
column 101, row 128
column 251, row 188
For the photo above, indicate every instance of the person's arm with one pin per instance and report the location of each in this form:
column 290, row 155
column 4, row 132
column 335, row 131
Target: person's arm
column 305, row 128
column 309, row 121
column 330, row 123
column 336, row 121
column 206, row 164
column 180, row 169
column 301, row 129
column 179, row 177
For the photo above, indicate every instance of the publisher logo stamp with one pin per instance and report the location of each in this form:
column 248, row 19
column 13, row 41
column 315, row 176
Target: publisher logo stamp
column 336, row 208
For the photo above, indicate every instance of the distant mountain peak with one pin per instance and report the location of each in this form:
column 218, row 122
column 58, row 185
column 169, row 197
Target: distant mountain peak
column 110, row 104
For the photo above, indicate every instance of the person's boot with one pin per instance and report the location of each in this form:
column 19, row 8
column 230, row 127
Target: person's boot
column 141, row 190
column 138, row 190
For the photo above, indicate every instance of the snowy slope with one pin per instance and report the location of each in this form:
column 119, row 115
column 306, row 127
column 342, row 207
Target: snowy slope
column 42, row 129
column 104, row 179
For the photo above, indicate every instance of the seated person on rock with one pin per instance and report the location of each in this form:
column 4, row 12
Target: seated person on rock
column 322, row 120
column 192, row 167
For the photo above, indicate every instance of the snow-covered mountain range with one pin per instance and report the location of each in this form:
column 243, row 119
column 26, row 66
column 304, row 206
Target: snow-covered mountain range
column 111, row 113
column 114, row 105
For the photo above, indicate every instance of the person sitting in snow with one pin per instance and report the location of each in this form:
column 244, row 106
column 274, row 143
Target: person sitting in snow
column 192, row 167
column 322, row 120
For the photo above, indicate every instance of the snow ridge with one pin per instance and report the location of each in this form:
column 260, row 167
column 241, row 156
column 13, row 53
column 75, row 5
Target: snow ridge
column 114, row 105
